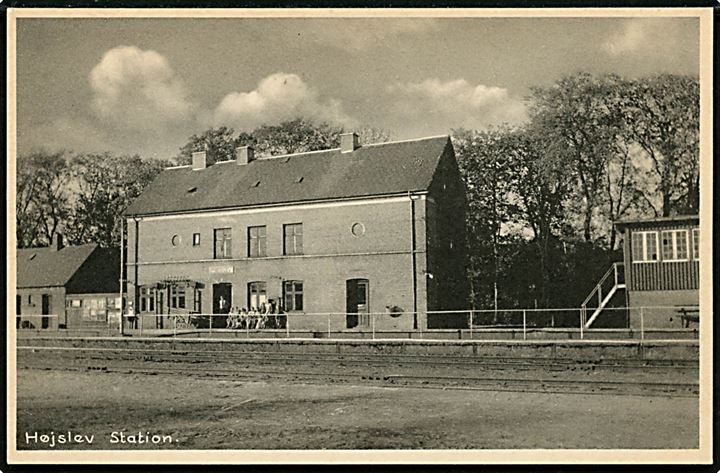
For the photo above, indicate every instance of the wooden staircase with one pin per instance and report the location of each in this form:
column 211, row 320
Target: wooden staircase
column 609, row 284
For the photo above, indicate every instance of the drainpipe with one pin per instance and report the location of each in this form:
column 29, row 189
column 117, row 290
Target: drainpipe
column 122, row 267
column 135, row 269
column 413, row 258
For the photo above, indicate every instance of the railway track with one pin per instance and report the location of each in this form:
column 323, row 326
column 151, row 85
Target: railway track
column 632, row 377
column 171, row 355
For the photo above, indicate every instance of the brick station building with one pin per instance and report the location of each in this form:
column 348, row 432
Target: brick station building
column 348, row 231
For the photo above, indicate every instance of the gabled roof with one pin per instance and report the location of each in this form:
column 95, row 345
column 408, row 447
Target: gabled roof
column 371, row 170
column 45, row 267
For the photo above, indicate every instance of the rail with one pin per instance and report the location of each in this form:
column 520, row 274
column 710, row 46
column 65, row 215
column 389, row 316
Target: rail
column 548, row 323
column 604, row 293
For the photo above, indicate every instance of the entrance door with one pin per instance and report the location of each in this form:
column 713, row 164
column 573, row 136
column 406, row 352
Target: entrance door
column 159, row 307
column 45, row 310
column 357, row 303
column 222, row 302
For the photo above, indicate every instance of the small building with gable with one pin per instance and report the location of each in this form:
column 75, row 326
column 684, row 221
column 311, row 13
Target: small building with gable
column 659, row 275
column 67, row 286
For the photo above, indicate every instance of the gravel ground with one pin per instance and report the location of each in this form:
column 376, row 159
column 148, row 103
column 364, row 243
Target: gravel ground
column 206, row 413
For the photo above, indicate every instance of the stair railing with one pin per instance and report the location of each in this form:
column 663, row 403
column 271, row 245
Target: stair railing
column 618, row 281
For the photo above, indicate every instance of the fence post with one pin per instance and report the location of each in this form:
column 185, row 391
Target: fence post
column 175, row 327
column 642, row 324
column 373, row 325
column 524, row 324
column 471, row 324
column 211, row 316
column 247, row 326
column 287, row 326
column 582, row 325
column 328, row 324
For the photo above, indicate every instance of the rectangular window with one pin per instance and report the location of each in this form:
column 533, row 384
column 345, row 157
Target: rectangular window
column 196, row 239
column 293, row 291
column 73, row 303
column 644, row 247
column 293, row 239
column 257, row 294
column 696, row 243
column 257, row 246
column 223, row 243
column 675, row 245
column 177, row 297
column 147, row 299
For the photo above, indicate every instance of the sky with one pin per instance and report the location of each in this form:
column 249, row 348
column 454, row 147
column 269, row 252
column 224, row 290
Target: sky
column 143, row 86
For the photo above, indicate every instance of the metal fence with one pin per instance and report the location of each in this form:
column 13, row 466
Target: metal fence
column 657, row 322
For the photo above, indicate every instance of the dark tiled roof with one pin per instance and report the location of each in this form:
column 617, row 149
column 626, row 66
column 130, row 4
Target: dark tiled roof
column 42, row 267
column 378, row 169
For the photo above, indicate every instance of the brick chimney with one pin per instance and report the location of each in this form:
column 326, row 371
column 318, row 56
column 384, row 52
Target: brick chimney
column 57, row 242
column 349, row 142
column 199, row 160
column 245, row 154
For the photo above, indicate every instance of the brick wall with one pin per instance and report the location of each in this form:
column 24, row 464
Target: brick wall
column 332, row 254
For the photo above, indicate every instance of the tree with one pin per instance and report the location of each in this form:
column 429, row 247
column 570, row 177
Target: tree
column 106, row 184
column 291, row 136
column 541, row 184
column 369, row 134
column 219, row 144
column 580, row 127
column 484, row 165
column 663, row 116
column 42, row 197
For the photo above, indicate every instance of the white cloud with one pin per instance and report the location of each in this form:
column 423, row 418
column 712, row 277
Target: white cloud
column 439, row 105
column 277, row 97
column 138, row 89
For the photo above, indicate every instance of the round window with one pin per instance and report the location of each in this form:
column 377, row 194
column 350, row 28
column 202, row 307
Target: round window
column 358, row 229
column 175, row 240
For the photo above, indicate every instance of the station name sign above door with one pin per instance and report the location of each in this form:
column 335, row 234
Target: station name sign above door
column 222, row 269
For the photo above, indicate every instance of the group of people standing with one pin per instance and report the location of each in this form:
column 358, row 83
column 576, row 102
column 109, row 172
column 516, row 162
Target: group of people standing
column 266, row 315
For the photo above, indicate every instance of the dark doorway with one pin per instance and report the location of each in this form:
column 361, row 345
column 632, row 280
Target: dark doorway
column 357, row 303
column 18, row 310
column 159, row 307
column 222, row 302
column 45, row 310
